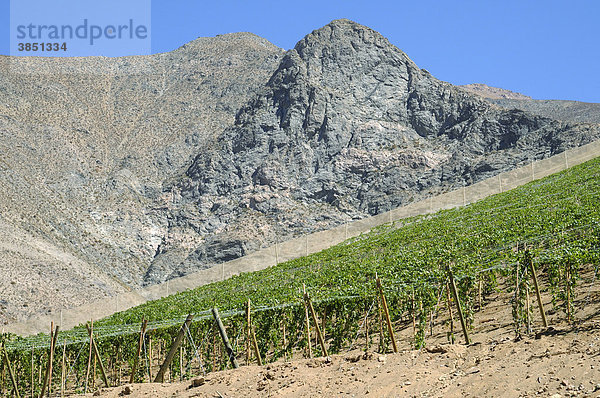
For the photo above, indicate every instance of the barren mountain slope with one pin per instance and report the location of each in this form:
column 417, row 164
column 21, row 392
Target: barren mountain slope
column 85, row 144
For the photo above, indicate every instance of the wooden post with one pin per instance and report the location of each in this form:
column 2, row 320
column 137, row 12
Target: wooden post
column 94, row 372
column 537, row 289
column 367, row 331
column 323, row 324
column 248, row 338
column 256, row 350
column 253, row 335
column 568, row 293
column 150, row 359
column 32, row 369
column 160, row 376
column 527, row 310
column 139, row 350
column 214, row 347
column 181, row 362
column 449, row 302
column 10, row 372
column 306, row 319
column 91, row 353
column 225, row 339
column 316, row 322
column 480, row 290
column 382, row 347
column 48, row 374
column 518, row 297
column 412, row 311
column 97, row 354
column 285, row 358
column 63, row 369
column 463, row 324
column 387, row 315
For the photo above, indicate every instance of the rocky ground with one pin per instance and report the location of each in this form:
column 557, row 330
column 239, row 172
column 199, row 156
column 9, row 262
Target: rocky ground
column 562, row 361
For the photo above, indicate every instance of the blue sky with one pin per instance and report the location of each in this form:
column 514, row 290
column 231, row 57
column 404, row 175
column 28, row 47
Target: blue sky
column 546, row 49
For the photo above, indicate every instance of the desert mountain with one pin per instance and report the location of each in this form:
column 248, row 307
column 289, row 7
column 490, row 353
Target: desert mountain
column 138, row 169
column 569, row 111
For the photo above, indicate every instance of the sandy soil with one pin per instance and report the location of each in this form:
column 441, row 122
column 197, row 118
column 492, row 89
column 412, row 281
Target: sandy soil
column 562, row 361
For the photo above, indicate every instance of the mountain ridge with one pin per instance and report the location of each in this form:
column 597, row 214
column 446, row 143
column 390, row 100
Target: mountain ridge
column 232, row 144
column 350, row 124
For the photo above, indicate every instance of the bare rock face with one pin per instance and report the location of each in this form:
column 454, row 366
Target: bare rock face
column 348, row 126
column 494, row 93
column 568, row 111
column 135, row 170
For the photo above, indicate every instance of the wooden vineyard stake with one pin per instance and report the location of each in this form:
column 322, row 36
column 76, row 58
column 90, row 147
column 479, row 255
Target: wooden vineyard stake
column 252, row 336
column 150, row 359
column 40, row 371
column 307, row 320
column 382, row 347
column 225, row 339
column 480, row 289
column 367, row 331
column 517, row 299
column 537, row 289
column 2, row 375
column 181, row 362
column 256, row 350
column 214, row 347
column 285, row 358
column 63, row 369
column 567, row 291
column 316, row 322
column 160, row 376
column 449, row 302
column 386, row 313
column 463, row 324
column 48, row 375
column 10, row 372
column 323, row 320
column 91, row 353
column 412, row 311
column 136, row 360
column 528, row 312
column 97, row 354
column 32, row 369
column 94, row 372
column 248, row 344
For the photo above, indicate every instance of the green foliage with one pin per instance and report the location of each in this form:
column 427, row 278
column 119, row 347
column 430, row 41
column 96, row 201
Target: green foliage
column 558, row 218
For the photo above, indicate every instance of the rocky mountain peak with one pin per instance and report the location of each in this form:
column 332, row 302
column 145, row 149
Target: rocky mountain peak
column 347, row 126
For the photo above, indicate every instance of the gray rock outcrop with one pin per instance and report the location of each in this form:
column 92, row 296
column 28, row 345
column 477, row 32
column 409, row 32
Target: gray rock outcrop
column 348, row 126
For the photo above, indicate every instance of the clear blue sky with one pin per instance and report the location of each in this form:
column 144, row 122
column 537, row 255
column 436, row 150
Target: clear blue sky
column 546, row 49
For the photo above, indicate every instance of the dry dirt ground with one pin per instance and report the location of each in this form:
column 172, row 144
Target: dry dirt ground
column 563, row 361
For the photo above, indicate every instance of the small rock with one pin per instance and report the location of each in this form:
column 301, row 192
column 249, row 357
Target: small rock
column 381, row 358
column 126, row 391
column 197, row 382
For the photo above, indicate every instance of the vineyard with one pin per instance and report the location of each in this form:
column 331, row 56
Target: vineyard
column 398, row 276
